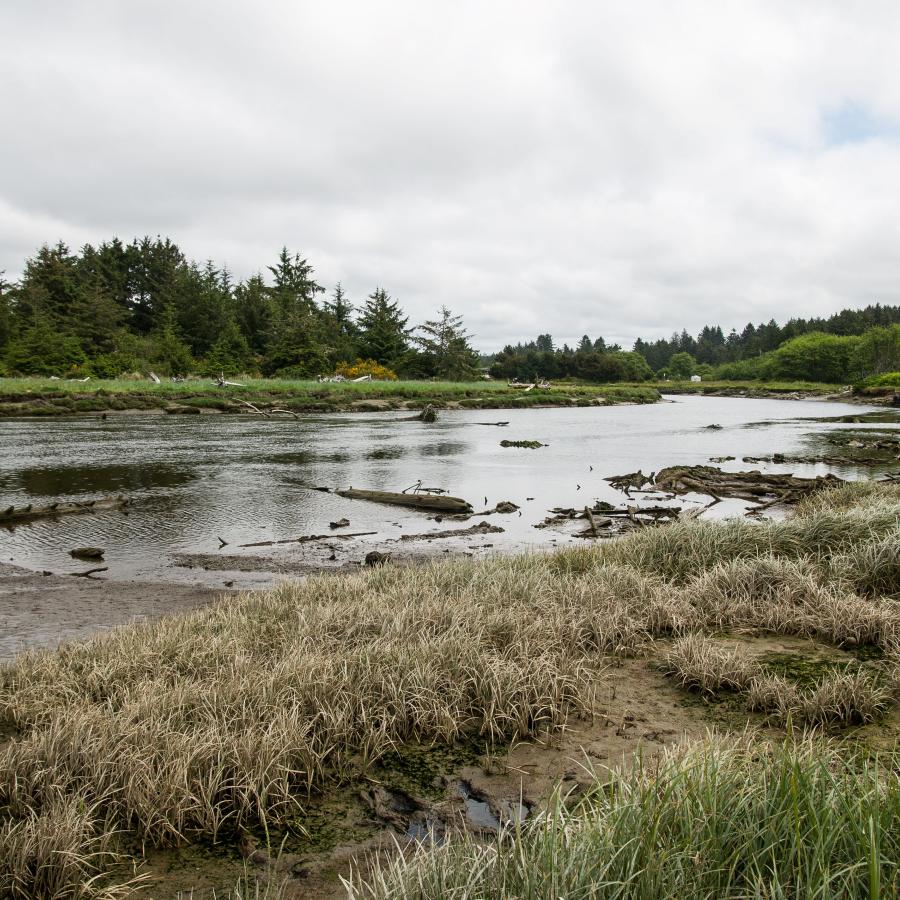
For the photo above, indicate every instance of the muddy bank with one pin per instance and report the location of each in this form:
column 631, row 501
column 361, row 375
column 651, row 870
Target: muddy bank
column 44, row 610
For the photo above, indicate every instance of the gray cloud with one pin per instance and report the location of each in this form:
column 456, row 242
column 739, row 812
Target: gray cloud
column 608, row 168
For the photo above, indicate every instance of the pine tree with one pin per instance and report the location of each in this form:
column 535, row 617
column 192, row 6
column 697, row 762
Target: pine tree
column 230, row 354
column 445, row 342
column 170, row 354
column 382, row 330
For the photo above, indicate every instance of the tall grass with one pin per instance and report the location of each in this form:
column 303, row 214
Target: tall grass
column 722, row 819
column 198, row 724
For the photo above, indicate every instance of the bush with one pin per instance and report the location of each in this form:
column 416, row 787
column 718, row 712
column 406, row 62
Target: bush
column 364, row 367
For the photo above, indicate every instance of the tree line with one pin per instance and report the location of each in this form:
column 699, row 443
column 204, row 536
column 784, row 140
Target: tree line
column 850, row 346
column 120, row 308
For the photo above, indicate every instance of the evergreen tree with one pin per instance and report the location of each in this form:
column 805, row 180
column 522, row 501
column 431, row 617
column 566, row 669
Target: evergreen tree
column 339, row 329
column 382, row 330
column 6, row 313
column 96, row 319
column 230, row 354
column 42, row 349
column 445, row 343
column 295, row 289
column 171, row 355
column 254, row 312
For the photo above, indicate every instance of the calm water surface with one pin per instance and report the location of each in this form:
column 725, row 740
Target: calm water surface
column 194, row 478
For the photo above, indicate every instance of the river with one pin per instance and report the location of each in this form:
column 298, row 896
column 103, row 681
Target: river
column 245, row 479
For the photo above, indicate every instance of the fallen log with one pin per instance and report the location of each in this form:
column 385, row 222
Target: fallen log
column 14, row 514
column 306, row 538
column 442, row 503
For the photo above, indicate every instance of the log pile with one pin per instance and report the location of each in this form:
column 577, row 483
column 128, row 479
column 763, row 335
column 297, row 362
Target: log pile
column 768, row 489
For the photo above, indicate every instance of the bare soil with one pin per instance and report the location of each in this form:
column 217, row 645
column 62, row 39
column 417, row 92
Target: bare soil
column 46, row 610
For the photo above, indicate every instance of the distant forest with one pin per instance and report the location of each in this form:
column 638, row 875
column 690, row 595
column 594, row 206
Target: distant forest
column 118, row 309
column 849, row 346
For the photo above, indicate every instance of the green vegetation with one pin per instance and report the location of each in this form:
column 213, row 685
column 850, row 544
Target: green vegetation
column 45, row 397
column 801, row 351
column 720, row 819
column 116, row 309
column 197, row 726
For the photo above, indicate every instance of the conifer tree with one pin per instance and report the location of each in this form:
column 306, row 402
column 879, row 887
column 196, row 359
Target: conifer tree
column 445, row 342
column 382, row 330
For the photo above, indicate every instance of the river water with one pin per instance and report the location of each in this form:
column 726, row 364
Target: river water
column 194, row 479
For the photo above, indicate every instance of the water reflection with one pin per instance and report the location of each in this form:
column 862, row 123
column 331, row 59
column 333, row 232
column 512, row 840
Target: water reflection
column 107, row 478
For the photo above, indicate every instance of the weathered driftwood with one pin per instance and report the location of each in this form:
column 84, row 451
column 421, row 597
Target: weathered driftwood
column 306, row 538
column 416, row 501
column 753, row 486
column 631, row 481
column 13, row 514
column 480, row 528
column 89, row 572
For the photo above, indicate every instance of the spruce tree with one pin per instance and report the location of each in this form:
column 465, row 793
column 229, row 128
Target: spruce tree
column 445, row 342
column 382, row 330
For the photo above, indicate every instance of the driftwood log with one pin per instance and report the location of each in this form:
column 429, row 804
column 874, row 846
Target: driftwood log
column 12, row 514
column 441, row 503
column 753, row 486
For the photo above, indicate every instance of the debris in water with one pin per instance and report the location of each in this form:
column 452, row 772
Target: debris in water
column 87, row 553
column 530, row 445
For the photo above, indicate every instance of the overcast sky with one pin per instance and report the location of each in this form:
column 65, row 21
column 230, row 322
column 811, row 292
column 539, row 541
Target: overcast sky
column 615, row 168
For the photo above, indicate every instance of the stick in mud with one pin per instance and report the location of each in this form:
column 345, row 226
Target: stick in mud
column 89, row 572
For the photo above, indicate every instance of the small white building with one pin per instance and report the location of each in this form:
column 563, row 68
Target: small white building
column 696, row 378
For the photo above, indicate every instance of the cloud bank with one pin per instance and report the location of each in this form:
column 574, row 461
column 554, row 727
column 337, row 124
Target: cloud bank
column 603, row 168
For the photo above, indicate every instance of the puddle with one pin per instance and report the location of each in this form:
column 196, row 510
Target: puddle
column 427, row 830
column 480, row 813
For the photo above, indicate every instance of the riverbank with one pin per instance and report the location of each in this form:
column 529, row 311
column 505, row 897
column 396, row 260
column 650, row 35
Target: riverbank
column 20, row 397
column 281, row 735
column 783, row 390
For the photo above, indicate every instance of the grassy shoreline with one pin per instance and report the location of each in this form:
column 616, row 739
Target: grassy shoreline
column 36, row 397
column 196, row 728
column 42, row 397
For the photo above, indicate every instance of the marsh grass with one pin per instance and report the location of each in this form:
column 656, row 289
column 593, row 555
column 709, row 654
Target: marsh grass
column 720, row 819
column 227, row 717
column 840, row 697
column 36, row 396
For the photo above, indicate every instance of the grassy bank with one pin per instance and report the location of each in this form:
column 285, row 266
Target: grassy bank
column 196, row 727
column 42, row 397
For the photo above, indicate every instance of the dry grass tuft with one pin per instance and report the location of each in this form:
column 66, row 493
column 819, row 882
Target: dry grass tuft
column 700, row 664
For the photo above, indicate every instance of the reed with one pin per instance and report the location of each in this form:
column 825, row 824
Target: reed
column 720, row 819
